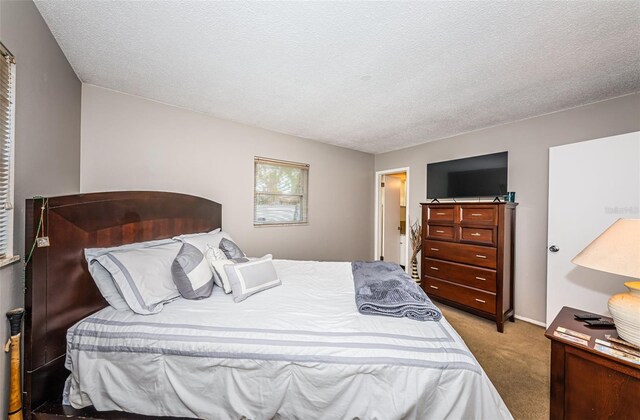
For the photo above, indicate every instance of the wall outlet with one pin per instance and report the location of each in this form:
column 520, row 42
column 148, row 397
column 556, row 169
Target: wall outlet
column 42, row 242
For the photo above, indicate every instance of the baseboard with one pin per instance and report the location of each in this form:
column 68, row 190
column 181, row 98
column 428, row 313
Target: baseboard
column 531, row 321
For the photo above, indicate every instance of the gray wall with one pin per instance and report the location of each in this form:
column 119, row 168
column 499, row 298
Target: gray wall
column 528, row 143
column 131, row 143
column 47, row 149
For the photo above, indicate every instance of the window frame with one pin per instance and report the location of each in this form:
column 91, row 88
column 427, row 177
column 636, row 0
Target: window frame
column 304, row 196
column 8, row 256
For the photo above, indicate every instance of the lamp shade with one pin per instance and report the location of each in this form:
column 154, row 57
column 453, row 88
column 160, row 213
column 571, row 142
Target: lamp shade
column 616, row 250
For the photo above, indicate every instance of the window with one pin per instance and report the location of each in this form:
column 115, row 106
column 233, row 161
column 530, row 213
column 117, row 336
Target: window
column 7, row 111
column 280, row 192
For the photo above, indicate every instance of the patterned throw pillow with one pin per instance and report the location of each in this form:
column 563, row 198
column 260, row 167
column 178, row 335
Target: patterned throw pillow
column 230, row 249
column 191, row 273
column 218, row 260
column 252, row 277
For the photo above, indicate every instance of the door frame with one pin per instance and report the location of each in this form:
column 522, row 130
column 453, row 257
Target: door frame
column 376, row 218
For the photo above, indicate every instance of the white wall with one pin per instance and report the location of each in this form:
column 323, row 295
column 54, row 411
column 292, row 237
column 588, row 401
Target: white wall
column 528, row 143
column 131, row 143
column 47, row 141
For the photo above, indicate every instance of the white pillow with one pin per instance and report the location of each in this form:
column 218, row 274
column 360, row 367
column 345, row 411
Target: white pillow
column 220, row 278
column 193, row 235
column 217, row 260
column 252, row 277
column 143, row 275
column 103, row 278
column 201, row 240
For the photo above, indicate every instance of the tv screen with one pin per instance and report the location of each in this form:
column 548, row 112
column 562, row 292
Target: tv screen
column 479, row 176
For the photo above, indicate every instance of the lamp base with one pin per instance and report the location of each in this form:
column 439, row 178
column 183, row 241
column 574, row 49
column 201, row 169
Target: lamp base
column 625, row 310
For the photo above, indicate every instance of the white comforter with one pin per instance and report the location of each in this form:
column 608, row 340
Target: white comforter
column 297, row 351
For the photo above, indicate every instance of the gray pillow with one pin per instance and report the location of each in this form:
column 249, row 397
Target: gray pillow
column 251, row 277
column 192, row 273
column 230, row 249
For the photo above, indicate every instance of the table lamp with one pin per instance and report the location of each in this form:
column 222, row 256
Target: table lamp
column 617, row 251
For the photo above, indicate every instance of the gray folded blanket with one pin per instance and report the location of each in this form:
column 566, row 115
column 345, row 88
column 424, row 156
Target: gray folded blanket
column 384, row 288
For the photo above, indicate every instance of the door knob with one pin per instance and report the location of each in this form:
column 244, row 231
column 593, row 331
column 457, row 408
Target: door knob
column 554, row 248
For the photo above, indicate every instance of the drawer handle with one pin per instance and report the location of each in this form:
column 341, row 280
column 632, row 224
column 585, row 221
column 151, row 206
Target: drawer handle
column 434, row 268
column 476, row 214
column 481, row 256
column 481, row 278
column 475, row 234
column 439, row 231
column 434, row 287
column 440, row 214
column 480, row 300
column 435, row 249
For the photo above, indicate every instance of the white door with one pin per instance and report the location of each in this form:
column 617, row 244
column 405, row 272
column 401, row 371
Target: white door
column 391, row 219
column 591, row 185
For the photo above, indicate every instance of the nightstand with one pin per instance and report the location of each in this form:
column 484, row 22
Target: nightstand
column 586, row 383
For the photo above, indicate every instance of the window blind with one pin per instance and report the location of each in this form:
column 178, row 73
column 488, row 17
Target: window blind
column 7, row 111
column 280, row 192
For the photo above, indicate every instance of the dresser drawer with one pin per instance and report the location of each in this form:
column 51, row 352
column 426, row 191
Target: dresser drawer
column 478, row 215
column 440, row 232
column 468, row 254
column 478, row 235
column 480, row 278
column 443, row 214
column 467, row 296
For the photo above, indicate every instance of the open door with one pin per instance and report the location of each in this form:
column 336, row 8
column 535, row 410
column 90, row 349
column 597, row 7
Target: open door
column 391, row 239
column 591, row 185
column 391, row 219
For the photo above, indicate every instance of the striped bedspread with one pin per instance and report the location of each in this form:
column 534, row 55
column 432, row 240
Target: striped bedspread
column 301, row 350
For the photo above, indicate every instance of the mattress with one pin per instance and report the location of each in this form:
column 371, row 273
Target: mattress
column 297, row 351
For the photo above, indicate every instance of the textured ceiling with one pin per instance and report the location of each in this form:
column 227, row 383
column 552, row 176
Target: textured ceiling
column 372, row 76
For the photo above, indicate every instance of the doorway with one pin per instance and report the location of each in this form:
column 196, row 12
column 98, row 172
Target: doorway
column 392, row 225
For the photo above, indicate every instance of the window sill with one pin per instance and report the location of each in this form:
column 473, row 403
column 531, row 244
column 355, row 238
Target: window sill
column 279, row 224
column 9, row 260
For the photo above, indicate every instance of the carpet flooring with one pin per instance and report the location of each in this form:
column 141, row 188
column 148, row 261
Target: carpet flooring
column 517, row 361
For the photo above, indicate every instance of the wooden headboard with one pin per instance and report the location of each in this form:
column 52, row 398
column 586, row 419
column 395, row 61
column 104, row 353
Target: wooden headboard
column 59, row 288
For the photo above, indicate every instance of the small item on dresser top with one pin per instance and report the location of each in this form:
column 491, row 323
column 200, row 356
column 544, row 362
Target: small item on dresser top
column 574, row 333
column 617, row 346
column 510, row 197
column 623, row 342
column 605, row 347
column 571, row 338
column 586, row 316
column 596, row 323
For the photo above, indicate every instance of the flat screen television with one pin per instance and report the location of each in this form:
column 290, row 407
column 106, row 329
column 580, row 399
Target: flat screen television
column 478, row 176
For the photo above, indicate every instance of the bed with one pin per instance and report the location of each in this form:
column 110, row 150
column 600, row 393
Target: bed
column 301, row 350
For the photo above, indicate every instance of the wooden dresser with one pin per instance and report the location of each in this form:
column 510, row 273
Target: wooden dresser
column 467, row 257
column 587, row 383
